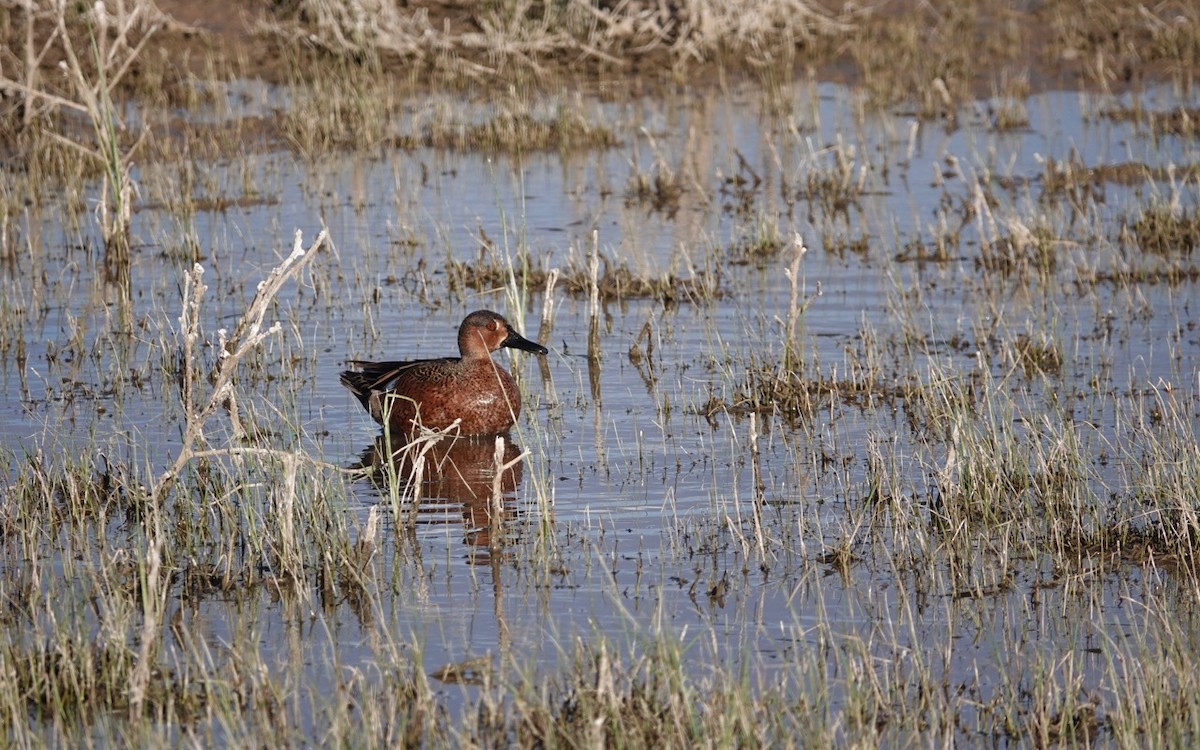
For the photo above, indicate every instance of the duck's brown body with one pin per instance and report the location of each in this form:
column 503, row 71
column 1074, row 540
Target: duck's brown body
column 435, row 392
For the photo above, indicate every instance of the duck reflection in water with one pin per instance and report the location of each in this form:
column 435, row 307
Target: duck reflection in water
column 450, row 478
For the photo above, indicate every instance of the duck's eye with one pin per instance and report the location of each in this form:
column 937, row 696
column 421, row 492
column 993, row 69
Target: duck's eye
column 493, row 325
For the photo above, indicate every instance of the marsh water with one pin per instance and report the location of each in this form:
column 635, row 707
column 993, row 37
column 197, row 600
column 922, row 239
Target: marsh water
column 632, row 514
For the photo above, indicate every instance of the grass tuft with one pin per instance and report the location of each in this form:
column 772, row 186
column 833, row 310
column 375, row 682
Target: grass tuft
column 1167, row 232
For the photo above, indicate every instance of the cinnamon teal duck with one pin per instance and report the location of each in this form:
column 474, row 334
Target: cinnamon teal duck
column 434, row 392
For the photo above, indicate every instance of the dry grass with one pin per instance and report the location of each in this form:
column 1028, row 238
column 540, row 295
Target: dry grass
column 1182, row 121
column 1170, row 233
column 484, row 40
column 1118, row 42
column 515, row 130
column 95, row 50
column 614, row 282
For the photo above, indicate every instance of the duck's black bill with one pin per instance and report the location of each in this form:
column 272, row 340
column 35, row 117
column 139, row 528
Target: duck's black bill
column 517, row 341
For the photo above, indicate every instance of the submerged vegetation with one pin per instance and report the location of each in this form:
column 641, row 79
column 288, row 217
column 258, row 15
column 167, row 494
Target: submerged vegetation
column 942, row 488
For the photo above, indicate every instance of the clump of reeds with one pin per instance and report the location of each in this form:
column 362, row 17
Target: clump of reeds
column 801, row 392
column 602, row 699
column 96, row 49
column 613, row 281
column 839, row 243
column 1036, row 354
column 1009, row 111
column 661, row 189
column 617, row 282
column 515, row 130
column 1181, row 121
column 1070, row 177
column 794, row 386
column 488, row 271
column 836, row 188
column 1023, row 252
column 760, row 246
column 338, row 109
column 1166, row 231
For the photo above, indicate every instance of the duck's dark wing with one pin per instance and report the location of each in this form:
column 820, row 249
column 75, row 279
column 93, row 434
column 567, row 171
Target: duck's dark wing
column 379, row 377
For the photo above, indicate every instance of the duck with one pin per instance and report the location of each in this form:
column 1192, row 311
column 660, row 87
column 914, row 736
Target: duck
column 433, row 393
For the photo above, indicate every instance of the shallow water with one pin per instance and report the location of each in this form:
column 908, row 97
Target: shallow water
column 641, row 504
